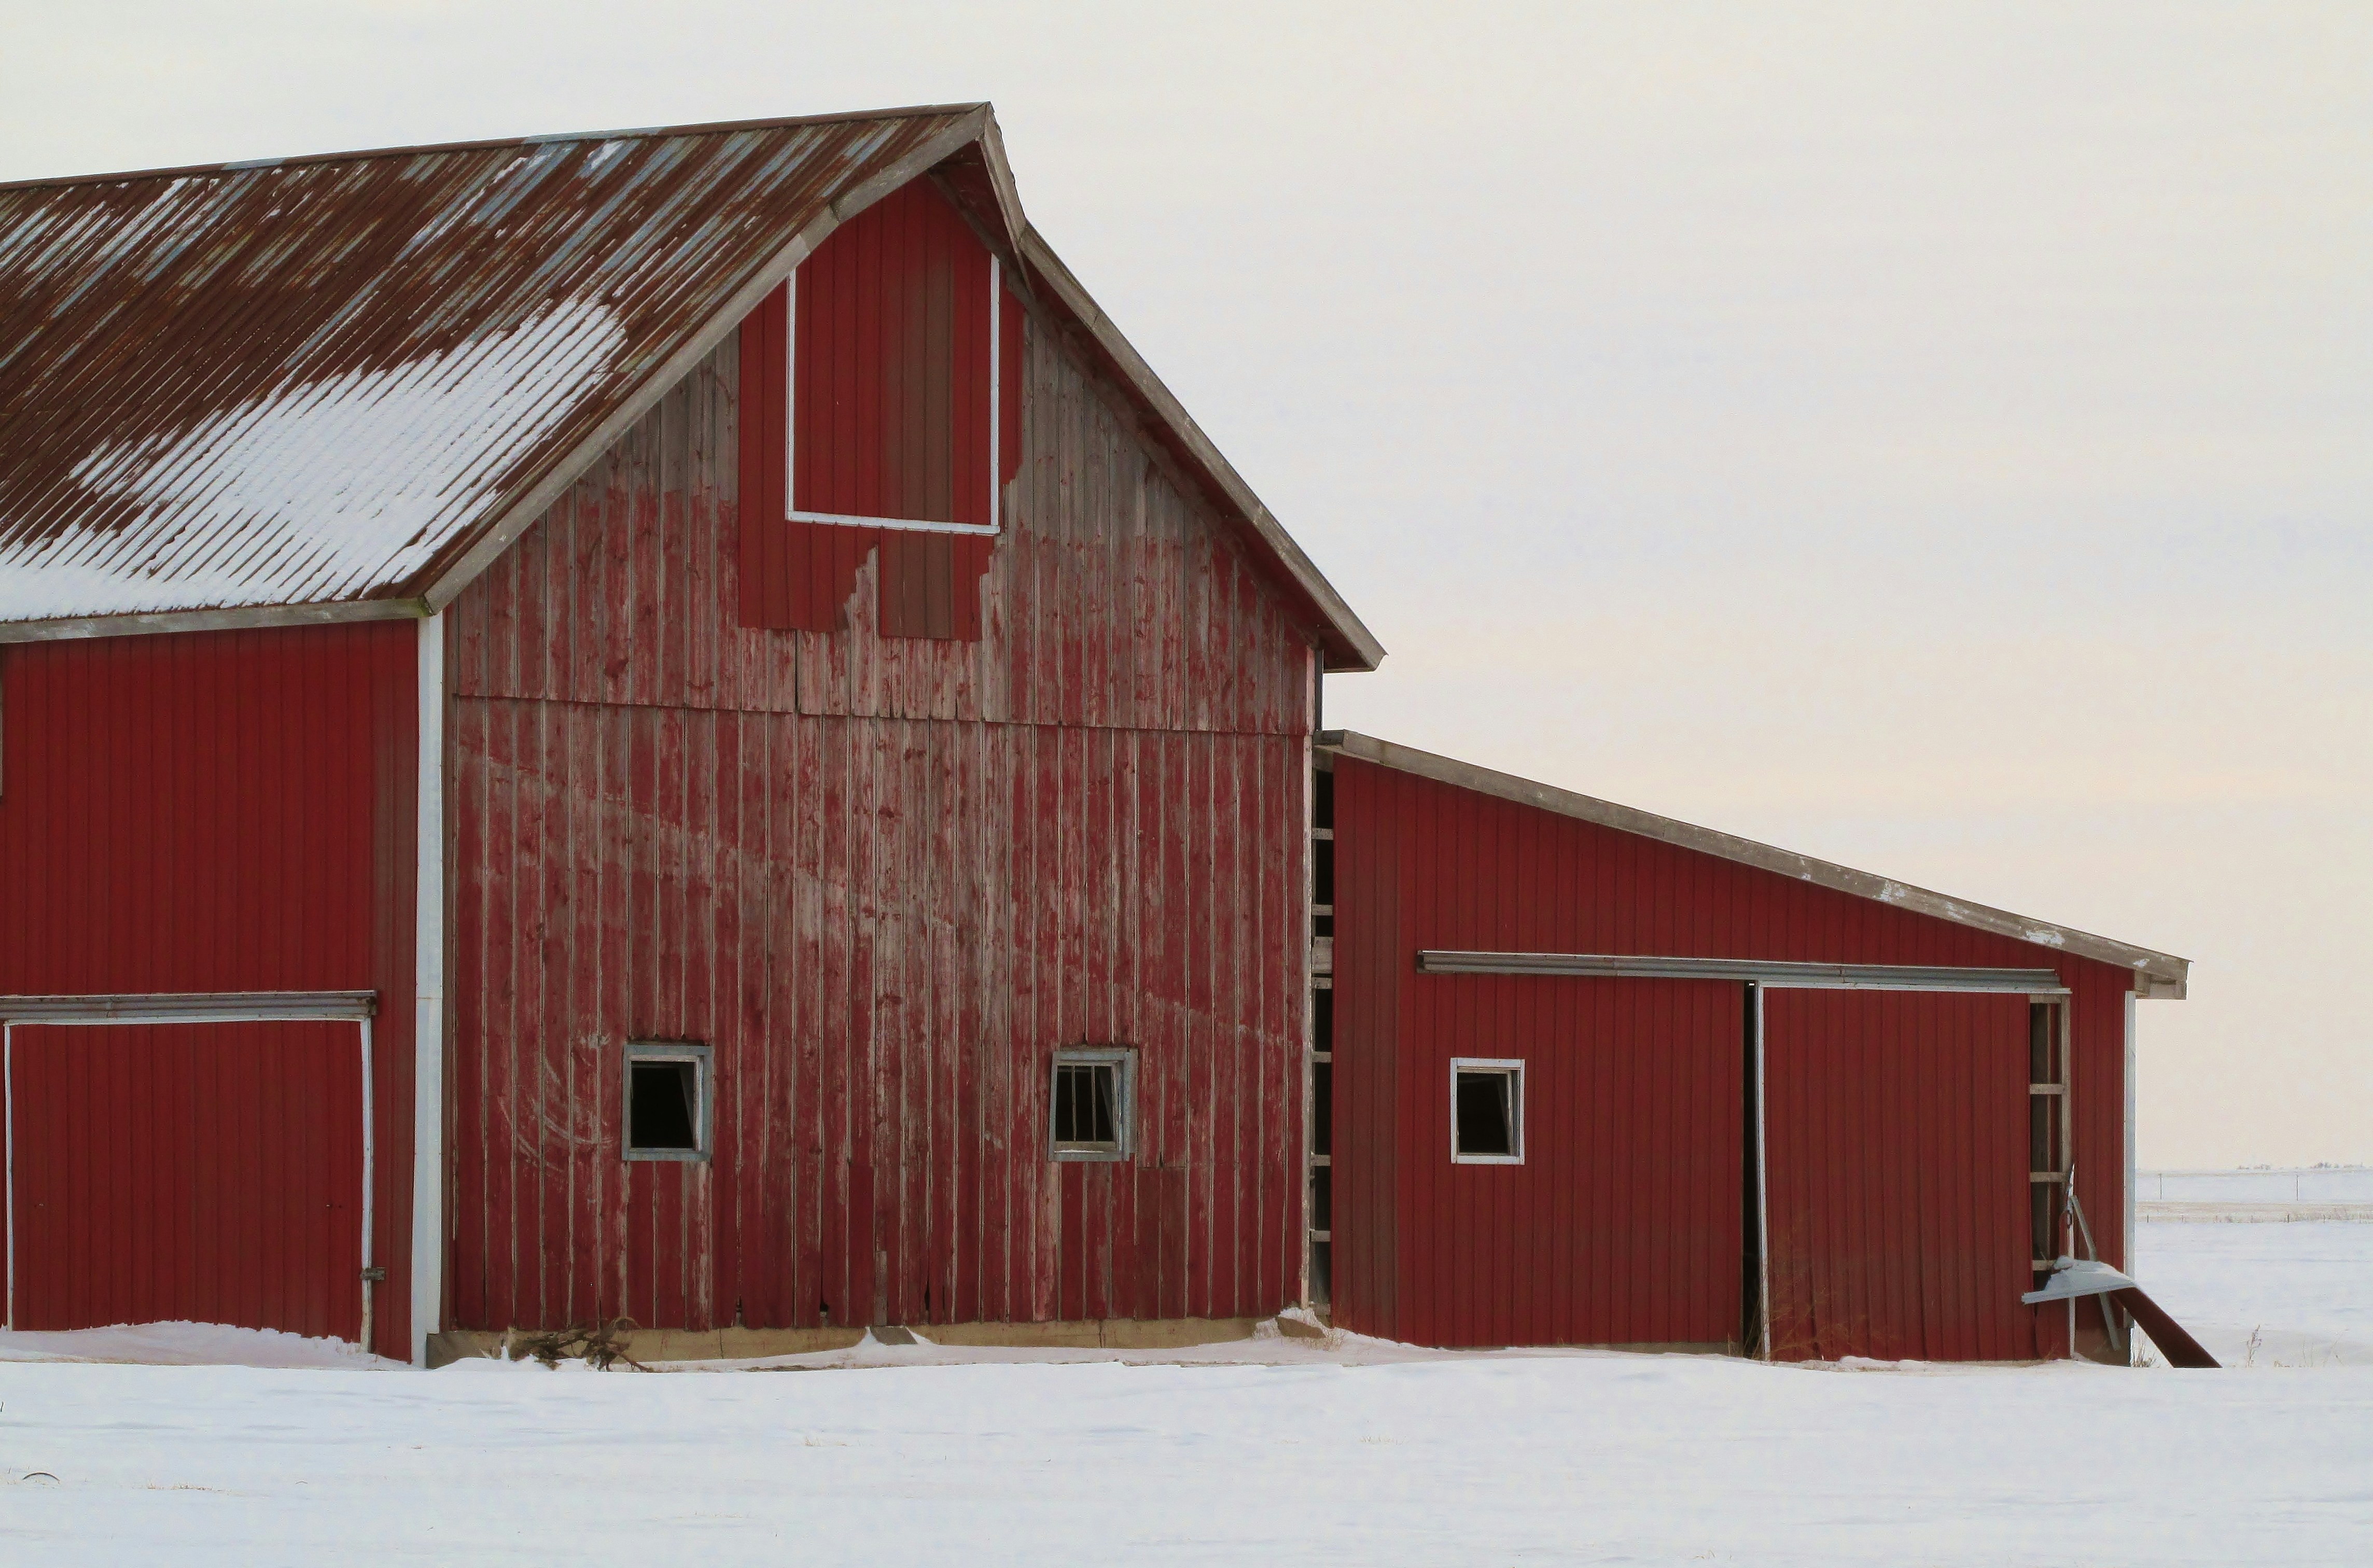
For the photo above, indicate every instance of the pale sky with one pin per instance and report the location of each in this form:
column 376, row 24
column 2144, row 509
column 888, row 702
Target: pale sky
column 1930, row 436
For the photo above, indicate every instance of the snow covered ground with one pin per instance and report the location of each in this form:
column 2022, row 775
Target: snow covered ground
column 2304, row 1290
column 1363, row 1454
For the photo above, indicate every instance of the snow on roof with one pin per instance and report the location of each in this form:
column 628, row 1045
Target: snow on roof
column 341, row 384
column 325, row 490
column 319, row 380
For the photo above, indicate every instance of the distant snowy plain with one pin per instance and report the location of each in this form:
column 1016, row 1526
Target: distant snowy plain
column 1272, row 1451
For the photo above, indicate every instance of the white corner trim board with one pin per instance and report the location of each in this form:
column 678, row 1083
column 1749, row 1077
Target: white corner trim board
column 428, row 1003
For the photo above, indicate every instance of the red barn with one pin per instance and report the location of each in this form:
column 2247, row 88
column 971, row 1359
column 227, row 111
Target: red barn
column 673, row 725
column 1598, row 1077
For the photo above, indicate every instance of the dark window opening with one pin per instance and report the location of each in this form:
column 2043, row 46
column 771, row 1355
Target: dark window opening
column 1322, row 1108
column 2043, row 1114
column 1322, row 1198
column 1750, row 1167
column 1487, row 1112
column 1086, row 1104
column 1322, row 1021
column 661, row 1114
column 1090, row 1112
column 667, row 1102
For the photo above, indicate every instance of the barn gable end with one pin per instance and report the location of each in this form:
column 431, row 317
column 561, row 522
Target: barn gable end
column 883, row 877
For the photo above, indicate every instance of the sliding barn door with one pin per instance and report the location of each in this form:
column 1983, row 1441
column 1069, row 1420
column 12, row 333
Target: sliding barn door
column 207, row 1172
column 1896, row 1175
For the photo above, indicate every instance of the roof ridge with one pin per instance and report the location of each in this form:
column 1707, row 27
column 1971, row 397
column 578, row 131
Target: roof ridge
column 714, row 128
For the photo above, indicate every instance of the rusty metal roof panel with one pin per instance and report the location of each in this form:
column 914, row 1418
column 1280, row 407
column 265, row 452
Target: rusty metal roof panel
column 322, row 381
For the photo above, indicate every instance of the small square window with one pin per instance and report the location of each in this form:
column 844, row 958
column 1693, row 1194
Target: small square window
column 668, row 1093
column 1092, row 1107
column 1486, row 1111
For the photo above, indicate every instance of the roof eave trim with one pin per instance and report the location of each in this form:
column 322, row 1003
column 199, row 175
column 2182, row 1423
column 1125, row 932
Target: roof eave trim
column 521, row 514
column 1350, row 645
column 1001, row 180
column 234, row 617
column 2157, row 975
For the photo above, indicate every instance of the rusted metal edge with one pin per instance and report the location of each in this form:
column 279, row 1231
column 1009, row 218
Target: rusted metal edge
column 2157, row 975
column 195, row 1007
column 714, row 127
column 230, row 619
column 1773, row 972
column 521, row 514
column 1350, row 645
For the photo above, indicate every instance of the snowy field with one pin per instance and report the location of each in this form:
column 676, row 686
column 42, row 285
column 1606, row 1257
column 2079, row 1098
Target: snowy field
column 2303, row 1292
column 1358, row 1454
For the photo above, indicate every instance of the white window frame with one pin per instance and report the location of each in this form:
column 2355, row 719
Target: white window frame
column 1122, row 1061
column 704, row 1092
column 792, row 421
column 1514, row 1067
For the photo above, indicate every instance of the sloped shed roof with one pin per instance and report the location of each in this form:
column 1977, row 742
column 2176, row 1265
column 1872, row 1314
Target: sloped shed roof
column 337, row 387
column 2155, row 973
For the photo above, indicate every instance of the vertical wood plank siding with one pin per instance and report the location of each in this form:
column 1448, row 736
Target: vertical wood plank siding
column 1624, row 1224
column 884, row 878
column 225, row 810
column 799, row 576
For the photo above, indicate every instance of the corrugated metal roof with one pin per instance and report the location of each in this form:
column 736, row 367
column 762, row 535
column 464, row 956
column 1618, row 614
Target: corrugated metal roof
column 336, row 385
column 313, row 380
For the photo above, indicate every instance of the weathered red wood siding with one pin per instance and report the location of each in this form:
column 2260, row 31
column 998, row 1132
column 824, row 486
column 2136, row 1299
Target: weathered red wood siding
column 885, row 877
column 1634, row 1231
column 225, row 810
column 798, row 576
column 891, row 364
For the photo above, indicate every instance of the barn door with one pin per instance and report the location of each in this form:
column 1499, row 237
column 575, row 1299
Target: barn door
column 210, row 1171
column 1896, row 1175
